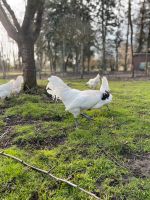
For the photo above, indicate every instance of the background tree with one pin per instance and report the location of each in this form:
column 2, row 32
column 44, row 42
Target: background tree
column 25, row 35
column 68, row 34
column 131, row 35
column 106, row 22
column 2, row 61
column 127, row 39
column 142, row 26
column 118, row 40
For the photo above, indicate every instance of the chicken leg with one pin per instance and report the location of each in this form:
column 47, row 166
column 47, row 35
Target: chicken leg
column 76, row 123
column 86, row 116
column 108, row 108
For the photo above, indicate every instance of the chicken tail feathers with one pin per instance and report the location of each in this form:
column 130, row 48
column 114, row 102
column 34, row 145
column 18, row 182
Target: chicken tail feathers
column 105, row 86
column 56, row 87
column 17, row 86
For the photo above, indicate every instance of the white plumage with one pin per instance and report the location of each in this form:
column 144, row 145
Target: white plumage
column 17, row 86
column 92, row 83
column 105, row 86
column 6, row 89
column 76, row 100
column 12, row 87
column 51, row 92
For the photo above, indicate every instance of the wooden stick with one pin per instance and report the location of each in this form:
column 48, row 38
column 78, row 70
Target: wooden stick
column 3, row 135
column 7, row 131
column 49, row 174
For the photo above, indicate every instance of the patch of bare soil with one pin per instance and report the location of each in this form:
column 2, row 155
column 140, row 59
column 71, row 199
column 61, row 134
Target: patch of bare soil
column 36, row 143
column 9, row 186
column 140, row 165
column 47, row 143
column 5, row 137
column 18, row 120
column 34, row 196
column 127, row 152
column 8, row 135
column 2, row 111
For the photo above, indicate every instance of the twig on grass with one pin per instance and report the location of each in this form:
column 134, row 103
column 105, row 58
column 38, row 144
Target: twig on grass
column 115, row 160
column 49, row 174
column 7, row 131
column 3, row 135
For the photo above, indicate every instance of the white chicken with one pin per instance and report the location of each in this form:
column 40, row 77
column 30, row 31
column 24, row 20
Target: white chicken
column 6, row 89
column 75, row 100
column 92, row 83
column 17, row 85
column 51, row 92
column 12, row 87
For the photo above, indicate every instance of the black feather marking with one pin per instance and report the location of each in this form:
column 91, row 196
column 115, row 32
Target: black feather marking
column 105, row 95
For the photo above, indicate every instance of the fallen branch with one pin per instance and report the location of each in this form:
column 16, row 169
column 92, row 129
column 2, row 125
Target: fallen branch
column 7, row 131
column 49, row 174
column 3, row 135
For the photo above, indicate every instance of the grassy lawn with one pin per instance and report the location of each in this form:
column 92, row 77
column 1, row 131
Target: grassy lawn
column 108, row 156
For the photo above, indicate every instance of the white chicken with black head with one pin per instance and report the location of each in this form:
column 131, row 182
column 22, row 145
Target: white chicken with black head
column 76, row 101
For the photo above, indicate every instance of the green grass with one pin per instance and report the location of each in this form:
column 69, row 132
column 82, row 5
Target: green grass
column 93, row 156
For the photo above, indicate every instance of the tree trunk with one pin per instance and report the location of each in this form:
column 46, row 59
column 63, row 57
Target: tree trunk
column 4, row 69
column 131, row 37
column 66, row 64
column 40, row 64
column 117, row 58
column 126, row 49
column 82, row 61
column 103, row 55
column 28, row 64
column 88, row 63
column 62, row 57
column 127, row 37
column 50, row 58
column 148, row 50
column 54, row 63
column 103, row 40
column 77, row 62
column 141, row 36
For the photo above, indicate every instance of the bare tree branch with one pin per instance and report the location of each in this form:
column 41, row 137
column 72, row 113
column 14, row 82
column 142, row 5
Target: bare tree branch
column 7, row 24
column 49, row 174
column 11, row 12
column 38, row 22
column 31, row 9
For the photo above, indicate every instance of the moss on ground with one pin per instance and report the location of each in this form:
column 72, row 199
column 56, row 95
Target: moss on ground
column 107, row 156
